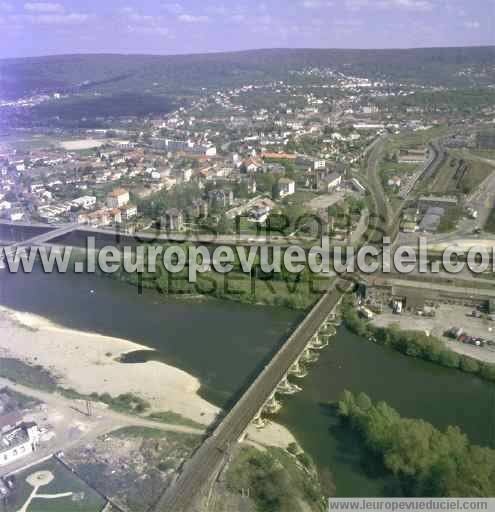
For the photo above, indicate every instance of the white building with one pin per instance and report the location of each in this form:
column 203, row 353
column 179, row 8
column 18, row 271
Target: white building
column 186, row 175
column 286, row 187
column 18, row 443
column 16, row 215
column 331, row 182
column 129, row 212
column 118, row 198
column 86, row 202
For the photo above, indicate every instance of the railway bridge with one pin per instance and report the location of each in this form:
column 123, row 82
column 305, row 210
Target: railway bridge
column 204, row 467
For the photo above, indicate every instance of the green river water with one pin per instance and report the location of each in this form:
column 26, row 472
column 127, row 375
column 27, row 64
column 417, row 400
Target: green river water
column 225, row 344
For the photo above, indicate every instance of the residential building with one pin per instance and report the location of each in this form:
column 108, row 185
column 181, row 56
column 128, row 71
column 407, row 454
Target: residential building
column 129, row 212
column 253, row 165
column 118, row 198
column 199, row 208
column 425, row 202
column 412, row 156
column 251, row 186
column 115, row 216
column 286, row 187
column 18, row 443
column 173, row 220
column 185, row 175
column 330, row 182
column 394, row 181
column 16, row 215
column 86, row 202
column 221, row 198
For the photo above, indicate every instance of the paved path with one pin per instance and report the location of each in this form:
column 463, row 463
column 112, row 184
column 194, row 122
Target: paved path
column 103, row 421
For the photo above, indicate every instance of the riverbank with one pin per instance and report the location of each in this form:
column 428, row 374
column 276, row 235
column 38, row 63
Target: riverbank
column 416, row 344
column 89, row 363
column 446, row 316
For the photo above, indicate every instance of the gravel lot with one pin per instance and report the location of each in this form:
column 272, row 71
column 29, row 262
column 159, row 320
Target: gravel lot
column 447, row 316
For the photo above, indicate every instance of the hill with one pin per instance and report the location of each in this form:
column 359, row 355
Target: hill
column 176, row 75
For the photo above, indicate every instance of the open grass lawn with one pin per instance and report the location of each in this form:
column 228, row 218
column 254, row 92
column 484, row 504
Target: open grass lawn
column 26, row 142
column 445, row 182
column 409, row 140
column 83, row 498
column 442, row 179
column 478, row 172
column 484, row 153
column 63, row 505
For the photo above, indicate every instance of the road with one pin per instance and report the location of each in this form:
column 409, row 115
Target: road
column 68, row 420
column 380, row 211
column 210, row 457
column 10, row 250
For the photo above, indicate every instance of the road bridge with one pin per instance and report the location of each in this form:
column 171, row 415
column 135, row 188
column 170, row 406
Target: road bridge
column 10, row 250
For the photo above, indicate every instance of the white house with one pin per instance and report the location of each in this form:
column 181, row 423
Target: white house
column 186, row 175
column 331, row 181
column 16, row 215
column 118, row 198
column 286, row 187
column 18, row 442
column 86, row 202
column 129, row 212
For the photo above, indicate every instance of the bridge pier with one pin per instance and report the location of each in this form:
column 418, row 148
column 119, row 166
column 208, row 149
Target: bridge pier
column 287, row 388
column 297, row 370
column 258, row 421
column 309, row 356
column 272, row 406
column 319, row 342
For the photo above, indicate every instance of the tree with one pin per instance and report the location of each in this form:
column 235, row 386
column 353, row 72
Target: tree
column 449, row 359
column 423, row 460
column 469, row 365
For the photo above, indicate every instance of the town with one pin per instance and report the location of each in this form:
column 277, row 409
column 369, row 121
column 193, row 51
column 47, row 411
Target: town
column 117, row 395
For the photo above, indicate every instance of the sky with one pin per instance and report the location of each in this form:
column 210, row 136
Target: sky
column 34, row 28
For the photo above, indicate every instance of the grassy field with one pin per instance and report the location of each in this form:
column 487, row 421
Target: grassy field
column 276, row 480
column 191, row 441
column 172, row 418
column 31, row 376
column 26, row 142
column 83, row 498
column 444, row 182
column 409, row 140
column 484, row 153
column 389, row 169
column 440, row 182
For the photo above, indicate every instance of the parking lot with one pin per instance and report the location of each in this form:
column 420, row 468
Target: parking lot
column 446, row 317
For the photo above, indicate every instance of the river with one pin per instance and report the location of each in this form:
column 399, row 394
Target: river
column 225, row 344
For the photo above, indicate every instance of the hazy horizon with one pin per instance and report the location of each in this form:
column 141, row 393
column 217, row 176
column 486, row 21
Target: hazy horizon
column 66, row 27
column 247, row 50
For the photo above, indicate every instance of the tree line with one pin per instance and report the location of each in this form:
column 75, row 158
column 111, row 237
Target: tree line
column 423, row 460
column 416, row 344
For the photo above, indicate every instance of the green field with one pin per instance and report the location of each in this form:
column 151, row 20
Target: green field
column 82, row 499
column 484, row 153
column 27, row 142
column 444, row 181
column 388, row 169
column 409, row 140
